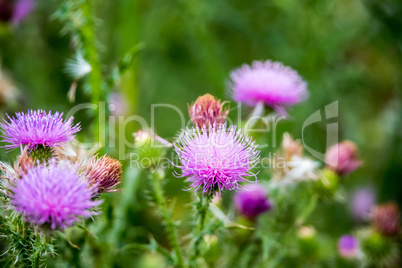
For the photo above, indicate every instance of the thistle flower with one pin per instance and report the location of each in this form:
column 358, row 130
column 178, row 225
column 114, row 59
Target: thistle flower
column 207, row 110
column 118, row 105
column 36, row 128
column 363, row 201
column 268, row 82
column 251, row 201
column 342, row 158
column 105, row 172
column 15, row 10
column 54, row 195
column 386, row 219
column 348, row 246
column 22, row 9
column 216, row 160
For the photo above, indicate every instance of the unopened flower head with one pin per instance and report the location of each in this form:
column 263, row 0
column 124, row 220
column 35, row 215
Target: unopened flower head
column 291, row 147
column 268, row 82
column 208, row 111
column 54, row 195
column 252, row 200
column 386, row 219
column 348, row 246
column 36, row 128
column 216, row 160
column 105, row 172
column 342, row 158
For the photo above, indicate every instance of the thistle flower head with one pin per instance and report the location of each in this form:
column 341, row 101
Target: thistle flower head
column 342, row 158
column 36, row 128
column 252, row 200
column 348, row 246
column 54, row 195
column 386, row 219
column 217, row 159
column 269, row 82
column 22, row 9
column 207, row 110
column 105, row 172
column 15, row 10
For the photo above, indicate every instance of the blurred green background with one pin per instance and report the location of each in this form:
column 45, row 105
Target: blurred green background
column 347, row 50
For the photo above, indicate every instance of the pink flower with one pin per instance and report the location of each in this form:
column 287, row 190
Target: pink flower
column 252, row 200
column 342, row 158
column 54, row 195
column 269, row 82
column 36, row 128
column 348, row 246
column 217, row 159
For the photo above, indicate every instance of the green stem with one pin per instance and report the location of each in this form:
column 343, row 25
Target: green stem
column 95, row 76
column 308, row 210
column 156, row 178
column 202, row 209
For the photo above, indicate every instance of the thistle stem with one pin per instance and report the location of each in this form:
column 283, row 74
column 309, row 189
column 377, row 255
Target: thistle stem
column 95, row 76
column 160, row 200
column 202, row 209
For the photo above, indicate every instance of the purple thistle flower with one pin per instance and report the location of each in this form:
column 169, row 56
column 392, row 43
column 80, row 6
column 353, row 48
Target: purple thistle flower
column 252, row 201
column 36, row 128
column 363, row 201
column 268, row 82
column 217, row 159
column 54, row 195
column 348, row 246
column 22, row 9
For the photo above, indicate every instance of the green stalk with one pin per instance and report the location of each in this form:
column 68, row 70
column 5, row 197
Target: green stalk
column 89, row 42
column 202, row 209
column 160, row 200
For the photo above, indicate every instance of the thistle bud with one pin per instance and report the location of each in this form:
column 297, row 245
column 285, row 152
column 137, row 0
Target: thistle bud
column 379, row 251
column 342, row 158
column 291, row 147
column 207, row 110
column 105, row 172
column 386, row 219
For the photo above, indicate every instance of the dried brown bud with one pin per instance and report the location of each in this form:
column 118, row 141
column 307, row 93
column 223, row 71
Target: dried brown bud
column 105, row 172
column 386, row 219
column 291, row 147
column 207, row 110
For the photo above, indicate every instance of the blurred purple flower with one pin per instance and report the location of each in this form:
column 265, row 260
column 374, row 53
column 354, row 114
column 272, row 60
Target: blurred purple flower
column 117, row 104
column 37, row 128
column 252, row 200
column 217, row 159
column 362, row 202
column 269, row 82
column 342, row 158
column 15, row 10
column 22, row 9
column 348, row 246
column 54, row 195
